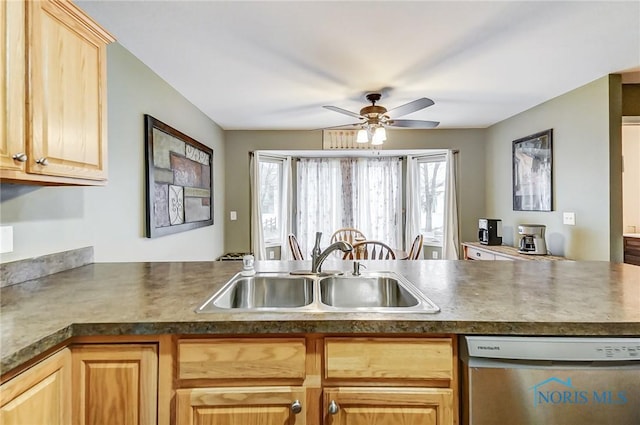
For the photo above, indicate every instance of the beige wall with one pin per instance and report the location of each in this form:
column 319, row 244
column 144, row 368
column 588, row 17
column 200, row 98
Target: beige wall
column 53, row 219
column 584, row 143
column 470, row 143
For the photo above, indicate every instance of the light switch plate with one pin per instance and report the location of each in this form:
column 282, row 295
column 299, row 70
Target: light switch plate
column 569, row 218
column 233, row 216
column 6, row 239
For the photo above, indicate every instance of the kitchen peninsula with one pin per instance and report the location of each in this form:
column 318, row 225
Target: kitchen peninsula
column 133, row 303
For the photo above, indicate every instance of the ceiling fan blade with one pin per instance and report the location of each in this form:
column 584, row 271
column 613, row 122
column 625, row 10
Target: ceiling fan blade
column 343, row 111
column 413, row 123
column 410, row 107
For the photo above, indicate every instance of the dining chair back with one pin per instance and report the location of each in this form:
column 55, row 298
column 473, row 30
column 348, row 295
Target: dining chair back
column 416, row 248
column 347, row 234
column 370, row 250
column 295, row 247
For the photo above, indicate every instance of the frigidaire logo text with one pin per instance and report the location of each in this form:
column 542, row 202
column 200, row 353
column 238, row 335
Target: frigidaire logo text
column 488, row 347
column 544, row 394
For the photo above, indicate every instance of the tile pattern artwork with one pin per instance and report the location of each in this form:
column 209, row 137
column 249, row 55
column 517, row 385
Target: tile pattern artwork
column 181, row 184
column 182, row 178
column 176, row 205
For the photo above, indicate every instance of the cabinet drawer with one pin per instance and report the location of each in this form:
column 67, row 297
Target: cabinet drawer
column 388, row 358
column 476, row 254
column 632, row 245
column 241, row 358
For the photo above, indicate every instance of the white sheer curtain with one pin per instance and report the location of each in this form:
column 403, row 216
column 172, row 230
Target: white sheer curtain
column 319, row 203
column 349, row 192
column 379, row 212
column 257, row 235
column 451, row 239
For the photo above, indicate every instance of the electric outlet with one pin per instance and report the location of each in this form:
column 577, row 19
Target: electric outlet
column 272, row 255
column 6, row 239
column 569, row 218
column 434, row 255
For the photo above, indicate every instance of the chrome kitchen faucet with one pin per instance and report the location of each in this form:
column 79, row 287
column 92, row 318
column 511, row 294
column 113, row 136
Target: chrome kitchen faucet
column 318, row 256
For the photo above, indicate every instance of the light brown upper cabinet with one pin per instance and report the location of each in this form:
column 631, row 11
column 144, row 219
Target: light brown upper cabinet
column 53, row 112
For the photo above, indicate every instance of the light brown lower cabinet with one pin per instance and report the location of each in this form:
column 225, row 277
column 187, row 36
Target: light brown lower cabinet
column 241, row 406
column 317, row 381
column 40, row 395
column 86, row 384
column 298, row 380
column 392, row 406
column 115, row 384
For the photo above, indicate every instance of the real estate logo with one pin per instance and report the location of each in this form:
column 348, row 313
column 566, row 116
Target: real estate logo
column 565, row 392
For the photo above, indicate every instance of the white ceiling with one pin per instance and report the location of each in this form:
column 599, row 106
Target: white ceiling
column 273, row 65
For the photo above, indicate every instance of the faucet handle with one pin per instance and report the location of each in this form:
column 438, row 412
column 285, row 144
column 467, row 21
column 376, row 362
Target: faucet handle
column 356, row 268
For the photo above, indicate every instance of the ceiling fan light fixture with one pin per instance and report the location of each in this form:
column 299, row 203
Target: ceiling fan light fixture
column 362, row 136
column 379, row 136
column 374, row 118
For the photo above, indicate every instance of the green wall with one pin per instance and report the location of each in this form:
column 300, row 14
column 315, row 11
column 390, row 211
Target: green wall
column 112, row 218
column 470, row 144
column 587, row 176
column 586, row 125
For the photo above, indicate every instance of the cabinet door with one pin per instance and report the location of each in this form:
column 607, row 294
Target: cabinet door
column 115, row 384
column 67, row 108
column 39, row 395
column 388, row 406
column 241, row 406
column 12, row 86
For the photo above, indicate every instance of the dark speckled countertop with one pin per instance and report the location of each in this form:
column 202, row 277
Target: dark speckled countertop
column 475, row 297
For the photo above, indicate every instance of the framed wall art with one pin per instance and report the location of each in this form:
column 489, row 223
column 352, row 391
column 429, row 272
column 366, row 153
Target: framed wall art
column 532, row 172
column 179, row 186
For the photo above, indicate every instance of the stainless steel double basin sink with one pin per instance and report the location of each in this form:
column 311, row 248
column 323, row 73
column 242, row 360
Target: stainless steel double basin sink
column 386, row 292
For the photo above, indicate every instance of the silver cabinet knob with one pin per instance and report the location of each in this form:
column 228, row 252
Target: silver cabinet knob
column 333, row 407
column 296, row 407
column 42, row 161
column 20, row 156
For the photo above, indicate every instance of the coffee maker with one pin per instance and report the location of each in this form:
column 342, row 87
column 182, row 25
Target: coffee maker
column 532, row 239
column 490, row 231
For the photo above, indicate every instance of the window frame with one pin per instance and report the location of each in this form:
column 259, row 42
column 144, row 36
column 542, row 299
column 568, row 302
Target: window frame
column 276, row 241
column 429, row 237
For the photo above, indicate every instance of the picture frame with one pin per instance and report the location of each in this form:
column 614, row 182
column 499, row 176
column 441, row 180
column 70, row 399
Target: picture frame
column 533, row 172
column 179, row 180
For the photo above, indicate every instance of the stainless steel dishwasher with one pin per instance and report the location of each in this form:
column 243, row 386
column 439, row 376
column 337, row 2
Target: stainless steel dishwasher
column 550, row 381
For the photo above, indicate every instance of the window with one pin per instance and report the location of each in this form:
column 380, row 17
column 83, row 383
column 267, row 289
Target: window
column 271, row 200
column 432, row 172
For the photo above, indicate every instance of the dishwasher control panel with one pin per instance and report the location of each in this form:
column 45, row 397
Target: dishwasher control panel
column 550, row 348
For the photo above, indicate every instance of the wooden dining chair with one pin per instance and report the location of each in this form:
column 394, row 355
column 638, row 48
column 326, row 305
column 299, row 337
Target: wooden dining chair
column 370, row 250
column 347, row 234
column 416, row 249
column 295, row 247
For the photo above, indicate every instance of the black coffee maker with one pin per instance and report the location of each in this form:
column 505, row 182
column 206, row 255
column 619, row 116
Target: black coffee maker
column 490, row 231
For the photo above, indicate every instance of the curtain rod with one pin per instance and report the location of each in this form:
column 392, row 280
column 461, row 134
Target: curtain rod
column 317, row 153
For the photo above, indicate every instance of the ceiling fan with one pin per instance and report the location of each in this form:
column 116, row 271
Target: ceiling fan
column 374, row 118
